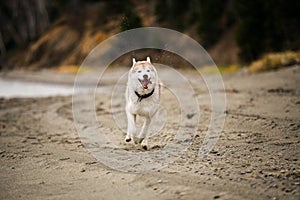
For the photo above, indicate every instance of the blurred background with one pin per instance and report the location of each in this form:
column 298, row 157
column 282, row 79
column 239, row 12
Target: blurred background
column 36, row 34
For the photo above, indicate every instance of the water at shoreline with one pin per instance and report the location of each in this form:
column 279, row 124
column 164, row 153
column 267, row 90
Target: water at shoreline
column 24, row 89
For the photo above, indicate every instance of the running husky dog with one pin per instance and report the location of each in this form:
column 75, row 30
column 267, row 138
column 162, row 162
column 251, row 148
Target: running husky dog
column 142, row 98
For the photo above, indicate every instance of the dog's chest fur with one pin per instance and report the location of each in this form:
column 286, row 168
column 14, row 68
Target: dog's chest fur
column 143, row 107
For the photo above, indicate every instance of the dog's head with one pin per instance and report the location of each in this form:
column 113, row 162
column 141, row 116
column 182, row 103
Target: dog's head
column 143, row 75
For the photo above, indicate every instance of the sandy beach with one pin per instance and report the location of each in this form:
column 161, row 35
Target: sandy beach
column 256, row 156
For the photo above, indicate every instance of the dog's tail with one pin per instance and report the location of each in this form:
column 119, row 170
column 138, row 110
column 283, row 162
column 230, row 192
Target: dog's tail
column 160, row 86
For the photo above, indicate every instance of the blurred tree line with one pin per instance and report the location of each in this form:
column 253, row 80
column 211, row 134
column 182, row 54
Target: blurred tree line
column 24, row 20
column 21, row 21
column 261, row 26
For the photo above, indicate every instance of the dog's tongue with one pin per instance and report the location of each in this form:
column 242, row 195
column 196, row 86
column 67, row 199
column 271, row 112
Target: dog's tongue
column 145, row 83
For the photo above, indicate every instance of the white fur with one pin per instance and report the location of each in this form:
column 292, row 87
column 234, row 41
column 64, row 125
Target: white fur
column 145, row 108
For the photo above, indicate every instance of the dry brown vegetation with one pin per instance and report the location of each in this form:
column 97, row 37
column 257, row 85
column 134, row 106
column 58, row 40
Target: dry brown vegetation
column 274, row 61
column 71, row 38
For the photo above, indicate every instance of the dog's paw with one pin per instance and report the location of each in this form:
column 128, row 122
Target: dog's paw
column 127, row 139
column 138, row 140
column 144, row 145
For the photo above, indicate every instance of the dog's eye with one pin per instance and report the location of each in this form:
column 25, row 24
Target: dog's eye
column 148, row 70
column 139, row 71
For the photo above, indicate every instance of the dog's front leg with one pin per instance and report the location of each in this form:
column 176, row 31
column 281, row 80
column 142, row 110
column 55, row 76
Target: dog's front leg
column 131, row 128
column 144, row 133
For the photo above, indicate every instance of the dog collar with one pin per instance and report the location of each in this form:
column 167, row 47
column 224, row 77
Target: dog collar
column 143, row 96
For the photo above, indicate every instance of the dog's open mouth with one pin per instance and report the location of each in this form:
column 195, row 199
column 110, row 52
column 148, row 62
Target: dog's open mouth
column 145, row 82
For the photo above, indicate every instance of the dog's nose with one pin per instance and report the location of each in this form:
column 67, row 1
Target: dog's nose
column 145, row 76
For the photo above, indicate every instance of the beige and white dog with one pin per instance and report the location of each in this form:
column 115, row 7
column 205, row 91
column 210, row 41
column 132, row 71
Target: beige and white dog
column 142, row 98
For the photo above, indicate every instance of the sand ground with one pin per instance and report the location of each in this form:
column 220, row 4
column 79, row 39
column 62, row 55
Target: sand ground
column 256, row 157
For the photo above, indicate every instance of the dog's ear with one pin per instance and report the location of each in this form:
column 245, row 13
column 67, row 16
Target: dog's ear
column 148, row 60
column 133, row 63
